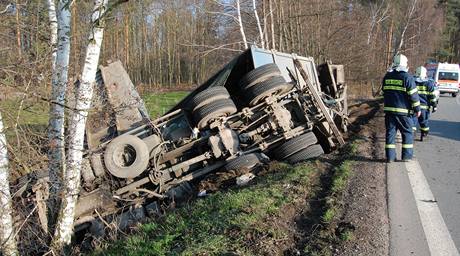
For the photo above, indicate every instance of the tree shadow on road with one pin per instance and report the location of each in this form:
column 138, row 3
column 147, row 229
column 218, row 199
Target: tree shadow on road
column 445, row 129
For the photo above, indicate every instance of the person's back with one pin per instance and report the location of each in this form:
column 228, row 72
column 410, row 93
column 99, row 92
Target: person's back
column 398, row 89
column 425, row 89
column 401, row 101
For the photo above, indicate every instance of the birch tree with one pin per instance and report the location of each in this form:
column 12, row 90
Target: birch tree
column 259, row 27
column 7, row 240
column 53, row 30
column 409, row 19
column 240, row 23
column 84, row 93
column 56, row 153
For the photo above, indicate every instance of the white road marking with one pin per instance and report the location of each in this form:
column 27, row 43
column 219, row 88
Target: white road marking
column 437, row 235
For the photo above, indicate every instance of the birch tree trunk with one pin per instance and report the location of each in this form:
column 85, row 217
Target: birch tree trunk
column 7, row 240
column 409, row 18
column 240, row 24
column 261, row 34
column 54, row 30
column 84, row 93
column 56, row 153
column 18, row 29
column 272, row 24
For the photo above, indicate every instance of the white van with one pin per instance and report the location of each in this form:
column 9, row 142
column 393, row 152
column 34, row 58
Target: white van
column 446, row 77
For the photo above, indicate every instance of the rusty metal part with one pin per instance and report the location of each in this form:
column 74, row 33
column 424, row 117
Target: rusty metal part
column 319, row 103
column 98, row 198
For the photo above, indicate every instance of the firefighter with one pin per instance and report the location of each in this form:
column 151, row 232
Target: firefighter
column 401, row 102
column 425, row 88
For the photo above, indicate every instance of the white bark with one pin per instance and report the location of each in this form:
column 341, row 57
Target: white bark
column 84, row 93
column 261, row 34
column 240, row 23
column 377, row 16
column 56, row 154
column 409, row 18
column 272, row 24
column 7, row 240
column 53, row 29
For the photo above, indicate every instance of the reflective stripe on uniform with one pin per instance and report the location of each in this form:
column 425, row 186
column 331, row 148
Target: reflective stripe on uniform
column 394, row 88
column 415, row 104
column 414, row 128
column 412, row 91
column 423, row 107
column 425, row 129
column 390, row 146
column 407, row 145
column 393, row 82
column 398, row 110
column 425, row 92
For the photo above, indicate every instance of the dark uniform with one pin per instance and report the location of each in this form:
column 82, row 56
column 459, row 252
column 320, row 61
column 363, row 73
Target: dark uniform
column 427, row 99
column 401, row 101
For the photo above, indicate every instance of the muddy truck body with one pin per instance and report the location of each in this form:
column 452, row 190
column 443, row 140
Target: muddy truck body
column 262, row 105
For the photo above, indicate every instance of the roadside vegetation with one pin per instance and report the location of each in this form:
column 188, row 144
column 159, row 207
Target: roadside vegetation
column 264, row 217
column 236, row 220
column 331, row 231
column 159, row 103
column 33, row 114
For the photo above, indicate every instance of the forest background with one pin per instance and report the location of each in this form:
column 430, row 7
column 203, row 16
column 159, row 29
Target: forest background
column 176, row 45
column 170, row 45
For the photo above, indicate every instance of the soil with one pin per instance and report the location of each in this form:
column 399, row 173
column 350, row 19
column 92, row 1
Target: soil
column 365, row 205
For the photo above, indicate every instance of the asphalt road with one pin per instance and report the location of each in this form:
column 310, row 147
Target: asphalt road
column 424, row 196
column 439, row 158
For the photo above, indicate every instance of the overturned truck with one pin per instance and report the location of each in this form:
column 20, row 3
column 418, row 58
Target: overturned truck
column 261, row 105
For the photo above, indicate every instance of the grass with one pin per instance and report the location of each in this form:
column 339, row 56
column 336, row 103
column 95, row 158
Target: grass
column 347, row 235
column 32, row 112
column 159, row 103
column 35, row 112
column 229, row 221
column 331, row 233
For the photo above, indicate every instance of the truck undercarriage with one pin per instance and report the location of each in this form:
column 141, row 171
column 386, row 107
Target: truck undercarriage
column 262, row 105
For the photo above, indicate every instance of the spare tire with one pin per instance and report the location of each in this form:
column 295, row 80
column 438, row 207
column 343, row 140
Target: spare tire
column 306, row 154
column 126, row 156
column 244, row 161
column 273, row 86
column 209, row 95
column 294, row 145
column 258, row 75
column 219, row 108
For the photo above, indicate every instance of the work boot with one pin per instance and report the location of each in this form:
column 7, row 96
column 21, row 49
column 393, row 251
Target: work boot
column 423, row 135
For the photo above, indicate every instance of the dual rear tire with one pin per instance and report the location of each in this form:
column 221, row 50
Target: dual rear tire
column 298, row 149
column 262, row 82
column 210, row 104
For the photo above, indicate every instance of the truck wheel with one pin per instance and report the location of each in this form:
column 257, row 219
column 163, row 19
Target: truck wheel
column 294, row 145
column 454, row 94
column 209, row 95
column 258, row 75
column 219, row 108
column 306, row 153
column 259, row 91
column 244, row 161
column 126, row 156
